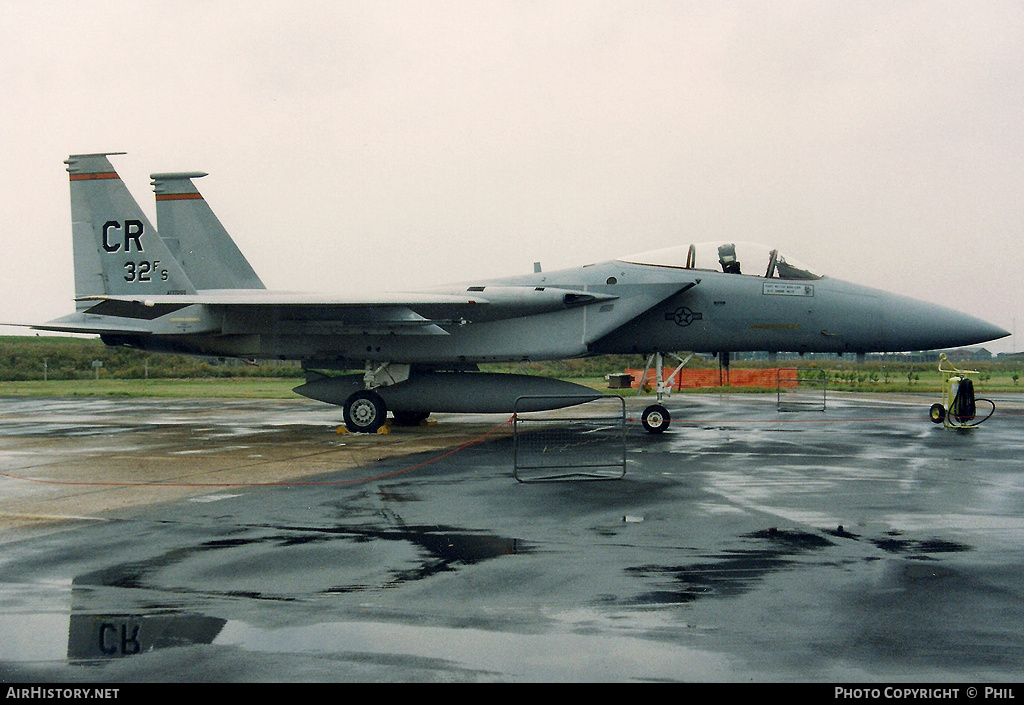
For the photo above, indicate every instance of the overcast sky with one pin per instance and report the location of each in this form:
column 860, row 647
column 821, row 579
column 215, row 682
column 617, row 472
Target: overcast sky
column 359, row 146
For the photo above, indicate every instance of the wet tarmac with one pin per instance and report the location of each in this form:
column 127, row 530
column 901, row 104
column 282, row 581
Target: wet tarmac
column 243, row 541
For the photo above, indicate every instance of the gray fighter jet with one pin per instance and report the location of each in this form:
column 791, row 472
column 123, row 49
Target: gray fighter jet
column 188, row 289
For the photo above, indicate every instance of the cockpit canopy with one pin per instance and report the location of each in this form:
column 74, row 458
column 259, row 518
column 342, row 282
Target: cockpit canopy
column 730, row 257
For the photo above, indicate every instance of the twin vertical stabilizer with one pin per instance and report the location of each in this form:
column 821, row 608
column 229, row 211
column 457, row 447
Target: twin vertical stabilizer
column 117, row 250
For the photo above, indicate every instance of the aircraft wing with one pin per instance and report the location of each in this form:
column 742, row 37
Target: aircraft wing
column 294, row 313
column 255, row 297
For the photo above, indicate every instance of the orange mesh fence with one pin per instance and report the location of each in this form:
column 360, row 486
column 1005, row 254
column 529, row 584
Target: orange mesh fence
column 692, row 379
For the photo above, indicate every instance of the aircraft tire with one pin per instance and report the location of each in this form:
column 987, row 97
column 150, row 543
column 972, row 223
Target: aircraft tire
column 365, row 412
column 937, row 413
column 655, row 419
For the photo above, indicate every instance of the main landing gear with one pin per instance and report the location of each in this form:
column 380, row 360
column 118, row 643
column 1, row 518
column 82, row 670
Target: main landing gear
column 365, row 412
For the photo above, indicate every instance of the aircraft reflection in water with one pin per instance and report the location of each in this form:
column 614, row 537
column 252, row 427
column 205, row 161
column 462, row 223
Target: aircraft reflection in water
column 98, row 635
column 92, row 636
column 188, row 289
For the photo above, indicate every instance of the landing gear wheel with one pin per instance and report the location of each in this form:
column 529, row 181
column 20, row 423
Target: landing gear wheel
column 655, row 419
column 365, row 412
column 937, row 413
column 410, row 418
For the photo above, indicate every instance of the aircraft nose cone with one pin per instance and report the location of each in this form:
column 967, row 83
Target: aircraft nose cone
column 922, row 325
column 988, row 331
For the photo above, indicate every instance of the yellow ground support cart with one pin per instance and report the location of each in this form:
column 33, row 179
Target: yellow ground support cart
column 959, row 407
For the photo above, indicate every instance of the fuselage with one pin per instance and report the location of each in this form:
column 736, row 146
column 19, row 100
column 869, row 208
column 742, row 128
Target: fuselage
column 642, row 308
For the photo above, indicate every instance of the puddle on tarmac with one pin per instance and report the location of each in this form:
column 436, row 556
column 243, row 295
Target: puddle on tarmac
column 297, row 562
column 482, row 653
column 475, row 653
column 55, row 637
column 96, row 632
column 736, row 572
column 894, row 543
column 730, row 573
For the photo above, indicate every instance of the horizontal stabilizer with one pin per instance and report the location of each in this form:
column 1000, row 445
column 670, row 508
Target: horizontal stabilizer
column 77, row 323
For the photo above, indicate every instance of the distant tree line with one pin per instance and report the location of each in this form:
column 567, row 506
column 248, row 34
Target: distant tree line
column 25, row 358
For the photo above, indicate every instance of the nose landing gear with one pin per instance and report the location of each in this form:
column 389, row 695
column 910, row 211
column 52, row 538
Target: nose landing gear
column 655, row 418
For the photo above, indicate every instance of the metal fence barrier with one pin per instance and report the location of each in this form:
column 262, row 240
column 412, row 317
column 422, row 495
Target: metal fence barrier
column 582, row 442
